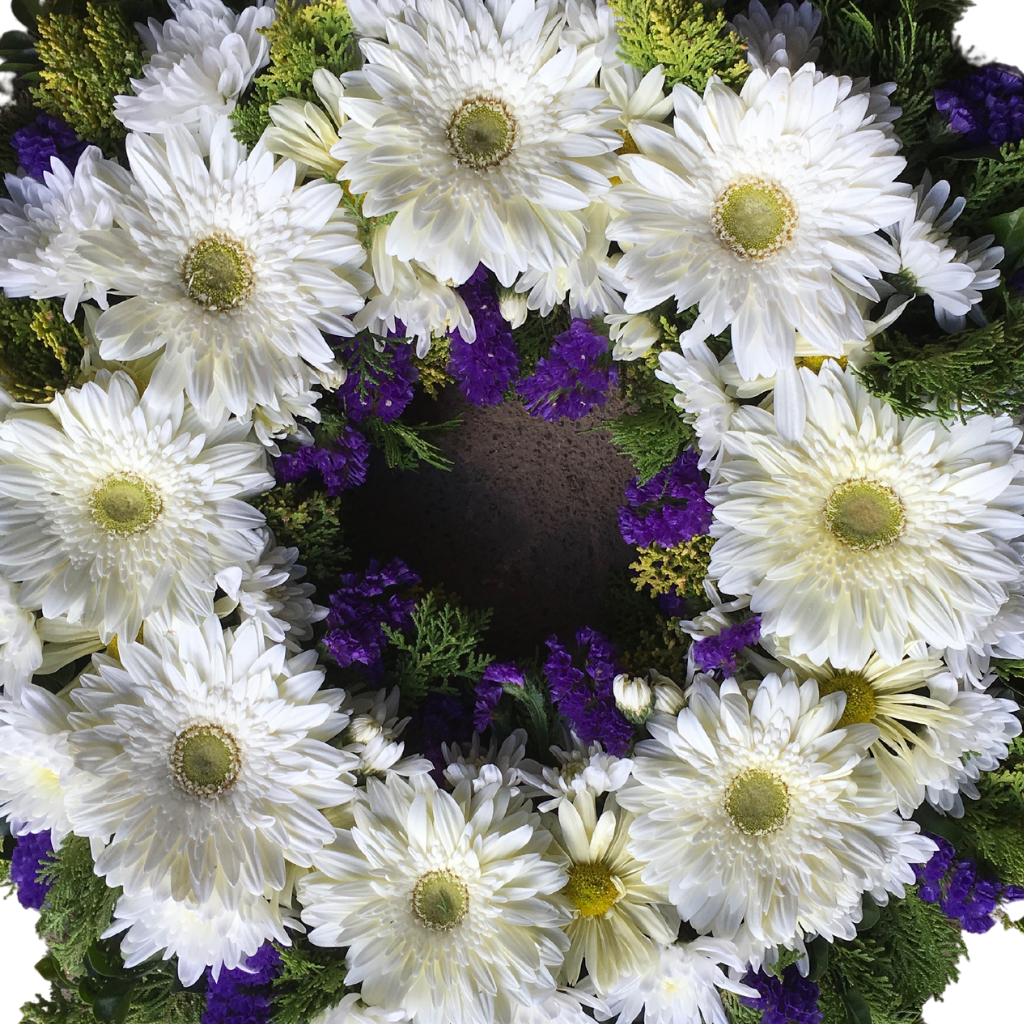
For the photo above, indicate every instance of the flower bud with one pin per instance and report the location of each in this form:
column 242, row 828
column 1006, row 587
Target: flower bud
column 512, row 306
column 634, row 697
column 633, row 335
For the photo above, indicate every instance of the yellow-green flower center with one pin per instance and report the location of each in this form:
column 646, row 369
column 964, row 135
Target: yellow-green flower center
column 815, row 363
column 217, row 272
column 629, row 145
column 757, row 802
column 440, row 900
column 125, row 504
column 754, row 218
column 860, row 697
column 864, row 514
column 482, row 132
column 205, row 760
column 591, row 889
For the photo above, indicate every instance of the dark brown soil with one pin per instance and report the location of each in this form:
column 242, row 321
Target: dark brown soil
column 524, row 523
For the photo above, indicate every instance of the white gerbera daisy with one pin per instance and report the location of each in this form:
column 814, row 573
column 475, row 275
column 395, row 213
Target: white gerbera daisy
column 305, row 132
column 872, row 531
column 209, row 763
column 372, row 734
column 559, row 1007
column 233, row 272
column 443, row 901
column 113, row 507
column 765, row 822
column 352, row 1010
column 787, row 40
column 21, row 647
column 36, row 767
column 486, row 139
column 201, row 61
column 617, row 923
column 582, row 767
column 211, row 934
column 42, row 224
column 681, row 986
column 762, row 207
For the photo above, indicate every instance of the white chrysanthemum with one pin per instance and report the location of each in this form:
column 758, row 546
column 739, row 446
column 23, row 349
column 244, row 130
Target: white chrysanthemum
column 36, row 768
column 616, row 923
column 633, row 334
column 762, row 207
column 486, row 139
column 485, row 766
column 583, row 767
column 233, row 272
column 872, row 531
column 352, row 1010
column 372, row 734
column 200, row 63
column 560, row 1007
column 765, row 822
column 42, row 224
column 951, row 272
column 269, row 590
column 114, row 507
column 786, row 40
column 680, row 987
column 21, row 647
column 442, row 900
column 200, row 935
column 209, row 763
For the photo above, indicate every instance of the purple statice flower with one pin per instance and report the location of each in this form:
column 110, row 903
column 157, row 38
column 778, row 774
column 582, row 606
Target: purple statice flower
column 670, row 508
column 243, row 996
column 985, row 107
column 484, row 368
column 719, row 654
column 45, row 138
column 489, row 690
column 671, row 604
column 790, row 999
column 30, row 852
column 585, row 695
column 1016, row 281
column 341, row 466
column 443, row 718
column 570, row 380
column 378, row 383
column 363, row 604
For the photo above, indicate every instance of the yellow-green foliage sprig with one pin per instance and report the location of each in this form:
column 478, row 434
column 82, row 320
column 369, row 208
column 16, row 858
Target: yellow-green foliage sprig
column 692, row 42
column 40, row 352
column 86, row 62
column 683, row 567
column 433, row 367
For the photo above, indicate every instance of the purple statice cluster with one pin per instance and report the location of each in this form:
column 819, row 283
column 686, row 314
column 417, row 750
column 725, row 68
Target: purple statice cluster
column 378, row 383
column 585, row 695
column 986, row 107
column 243, row 995
column 670, row 509
column 719, row 654
column 360, row 608
column 489, row 690
column 30, row 853
column 790, row 999
column 573, row 378
column 484, row 368
column 443, row 718
column 47, row 137
column 341, row 466
column 961, row 895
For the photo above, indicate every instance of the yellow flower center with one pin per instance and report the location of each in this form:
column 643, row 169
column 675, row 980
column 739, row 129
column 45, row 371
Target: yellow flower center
column 754, row 218
column 440, row 900
column 864, row 514
column 860, row 697
column 217, row 272
column 205, row 760
column 757, row 802
column 815, row 363
column 591, row 889
column 482, row 132
column 629, row 145
column 125, row 504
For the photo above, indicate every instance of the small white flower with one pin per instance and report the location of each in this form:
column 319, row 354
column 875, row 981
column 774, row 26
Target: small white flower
column 352, row 1010
column 669, row 699
column 634, row 697
column 504, row 765
column 581, row 768
column 633, row 334
column 372, row 735
column 304, row 131
column 513, row 306
column 787, row 40
column 21, row 647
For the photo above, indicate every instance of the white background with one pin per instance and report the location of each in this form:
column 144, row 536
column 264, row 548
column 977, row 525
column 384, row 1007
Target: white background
column 990, row 985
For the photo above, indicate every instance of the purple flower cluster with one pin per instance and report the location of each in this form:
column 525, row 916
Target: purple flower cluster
column 30, row 851
column 585, row 696
column 985, row 107
column 243, row 996
column 489, row 690
column 442, row 719
column 670, row 508
column 378, row 383
column 960, row 894
column 790, row 999
column 570, row 380
column 45, row 138
column 719, row 654
column 363, row 604
column 341, row 466
column 483, row 369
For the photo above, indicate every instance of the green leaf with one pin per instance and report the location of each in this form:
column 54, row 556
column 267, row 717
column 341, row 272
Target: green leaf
column 1009, row 231
column 857, row 1009
column 870, row 913
column 113, row 1007
column 817, row 953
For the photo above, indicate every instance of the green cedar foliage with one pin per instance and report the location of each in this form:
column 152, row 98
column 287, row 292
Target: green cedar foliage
column 407, row 445
column 991, row 185
column 736, row 1012
column 40, row 352
column 535, row 337
column 312, row 979
column 652, row 437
